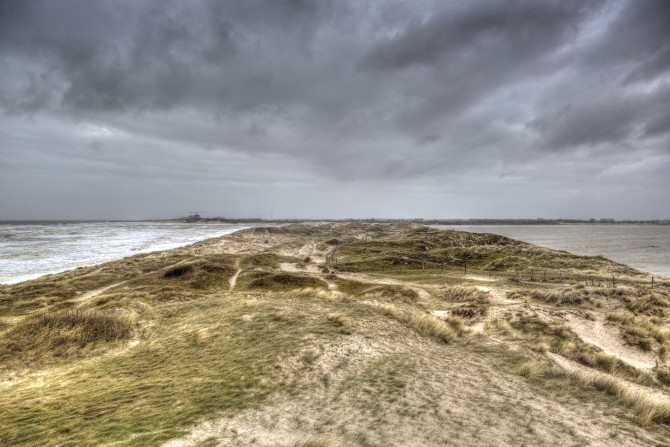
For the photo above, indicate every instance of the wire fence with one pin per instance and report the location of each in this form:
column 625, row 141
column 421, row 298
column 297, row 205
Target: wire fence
column 527, row 274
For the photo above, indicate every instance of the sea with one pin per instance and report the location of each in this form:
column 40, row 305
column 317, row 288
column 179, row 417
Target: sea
column 32, row 249
column 644, row 247
column 29, row 250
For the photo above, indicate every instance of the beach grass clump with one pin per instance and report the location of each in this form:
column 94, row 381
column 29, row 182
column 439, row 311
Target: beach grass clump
column 61, row 335
column 568, row 296
column 507, row 264
column 283, row 282
column 392, row 292
column 646, row 409
column 461, row 294
column 470, row 312
column 349, row 286
column 201, row 275
column 426, row 325
column 648, row 303
column 261, row 260
column 646, row 333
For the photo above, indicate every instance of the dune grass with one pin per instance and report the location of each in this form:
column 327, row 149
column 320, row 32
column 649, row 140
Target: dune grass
column 645, row 409
column 203, row 359
column 282, row 281
column 426, row 325
column 60, row 335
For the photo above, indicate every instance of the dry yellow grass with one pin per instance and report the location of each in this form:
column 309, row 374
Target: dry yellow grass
column 426, row 325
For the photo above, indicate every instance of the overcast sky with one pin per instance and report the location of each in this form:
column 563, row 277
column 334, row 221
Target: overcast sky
column 327, row 109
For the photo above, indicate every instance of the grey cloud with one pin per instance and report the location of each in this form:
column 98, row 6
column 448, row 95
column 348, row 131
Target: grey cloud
column 432, row 103
column 500, row 29
column 636, row 41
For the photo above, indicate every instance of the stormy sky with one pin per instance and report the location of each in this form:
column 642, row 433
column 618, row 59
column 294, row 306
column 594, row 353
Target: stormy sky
column 131, row 109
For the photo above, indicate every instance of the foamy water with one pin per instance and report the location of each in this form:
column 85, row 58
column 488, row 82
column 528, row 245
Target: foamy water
column 28, row 251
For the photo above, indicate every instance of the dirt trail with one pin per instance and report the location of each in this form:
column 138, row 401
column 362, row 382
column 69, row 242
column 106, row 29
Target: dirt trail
column 233, row 279
column 93, row 293
column 609, row 340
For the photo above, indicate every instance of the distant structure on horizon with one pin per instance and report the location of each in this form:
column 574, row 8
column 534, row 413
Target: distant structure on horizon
column 193, row 217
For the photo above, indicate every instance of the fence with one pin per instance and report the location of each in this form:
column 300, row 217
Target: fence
column 530, row 274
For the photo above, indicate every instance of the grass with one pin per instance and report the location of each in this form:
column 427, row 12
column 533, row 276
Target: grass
column 647, row 333
column 393, row 293
column 426, row 325
column 60, row 335
column 544, row 336
column 203, row 359
column 461, row 294
column 283, row 282
column 646, row 409
column 316, row 441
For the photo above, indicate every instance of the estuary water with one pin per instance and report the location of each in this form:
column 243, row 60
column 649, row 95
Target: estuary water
column 644, row 247
column 29, row 250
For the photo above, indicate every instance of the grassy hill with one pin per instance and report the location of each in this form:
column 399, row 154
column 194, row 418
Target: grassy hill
column 334, row 334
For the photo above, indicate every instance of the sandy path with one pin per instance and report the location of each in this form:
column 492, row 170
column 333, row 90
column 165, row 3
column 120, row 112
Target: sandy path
column 233, row 279
column 311, row 270
column 93, row 293
column 481, row 278
column 608, row 339
column 293, row 268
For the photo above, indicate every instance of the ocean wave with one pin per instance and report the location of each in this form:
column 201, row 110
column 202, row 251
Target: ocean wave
column 29, row 251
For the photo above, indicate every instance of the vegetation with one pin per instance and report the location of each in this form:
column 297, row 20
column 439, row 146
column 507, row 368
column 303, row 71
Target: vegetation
column 60, row 335
column 360, row 333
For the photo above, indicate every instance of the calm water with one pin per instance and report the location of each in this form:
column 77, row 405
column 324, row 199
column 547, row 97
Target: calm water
column 28, row 251
column 645, row 247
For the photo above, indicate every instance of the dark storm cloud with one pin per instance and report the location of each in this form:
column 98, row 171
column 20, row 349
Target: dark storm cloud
column 517, row 30
column 377, row 96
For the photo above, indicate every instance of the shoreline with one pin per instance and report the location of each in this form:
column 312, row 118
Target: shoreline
column 256, row 225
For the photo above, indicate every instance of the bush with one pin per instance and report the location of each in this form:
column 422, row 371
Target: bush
column 178, row 271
